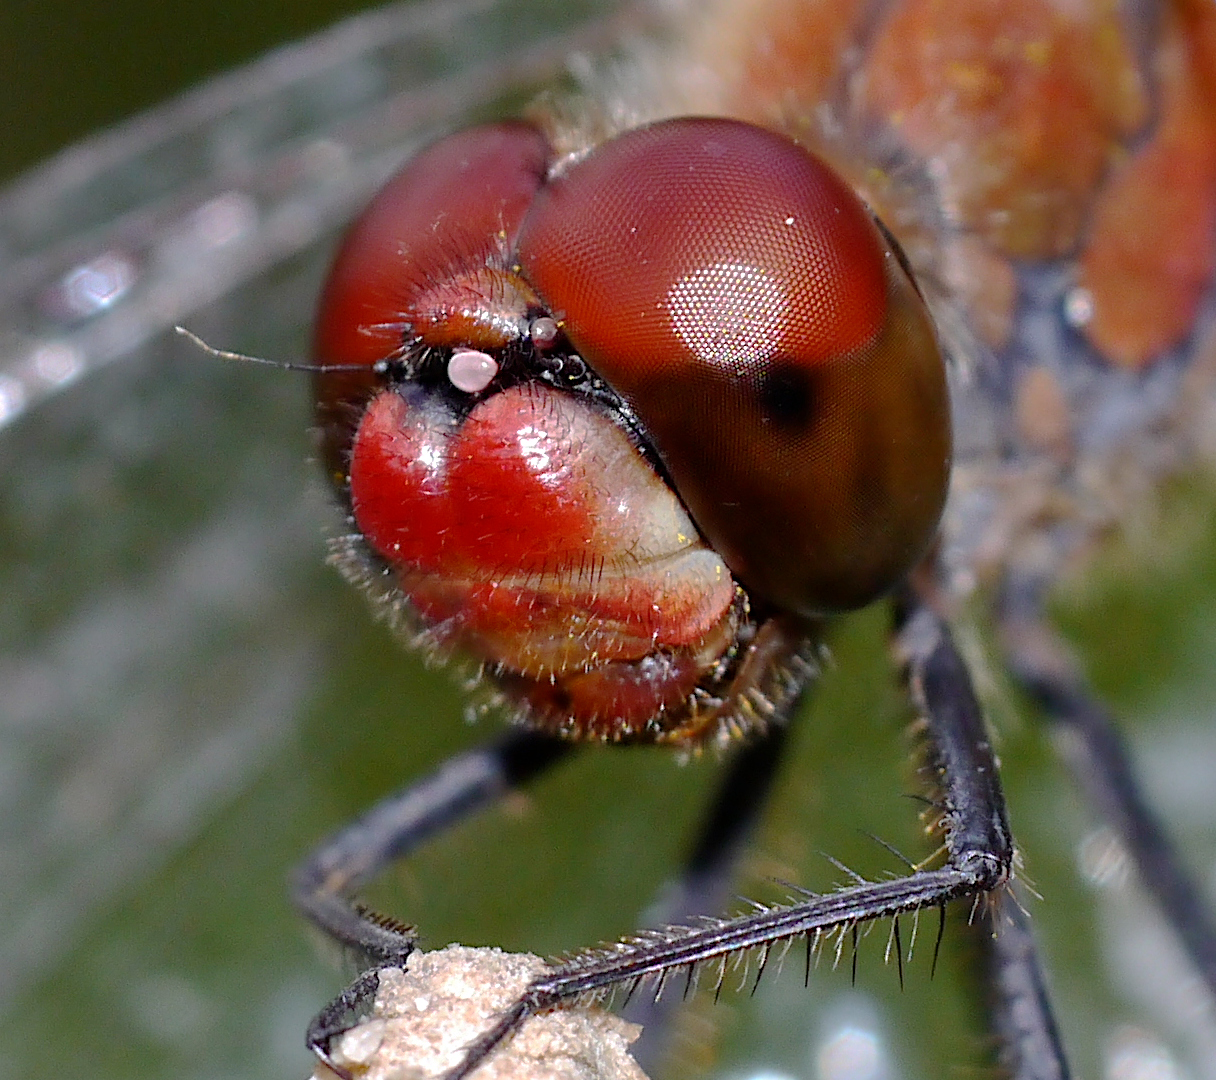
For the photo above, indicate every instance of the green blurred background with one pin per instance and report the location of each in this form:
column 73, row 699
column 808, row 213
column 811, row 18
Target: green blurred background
column 70, row 68
column 189, row 698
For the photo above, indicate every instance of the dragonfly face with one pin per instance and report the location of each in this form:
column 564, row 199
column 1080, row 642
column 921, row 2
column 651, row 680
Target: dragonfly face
column 500, row 397
column 169, row 637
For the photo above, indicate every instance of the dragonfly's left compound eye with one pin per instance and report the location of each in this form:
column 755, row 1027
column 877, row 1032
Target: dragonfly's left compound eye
column 738, row 295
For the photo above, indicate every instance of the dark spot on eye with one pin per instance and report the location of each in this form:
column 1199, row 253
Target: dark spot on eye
column 786, row 394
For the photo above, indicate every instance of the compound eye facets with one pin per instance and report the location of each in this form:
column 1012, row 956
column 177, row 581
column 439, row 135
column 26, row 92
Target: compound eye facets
column 736, row 293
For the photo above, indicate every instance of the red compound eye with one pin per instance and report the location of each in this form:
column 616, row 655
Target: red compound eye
column 427, row 262
column 737, row 294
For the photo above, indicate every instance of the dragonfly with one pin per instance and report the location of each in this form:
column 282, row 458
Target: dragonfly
column 192, row 698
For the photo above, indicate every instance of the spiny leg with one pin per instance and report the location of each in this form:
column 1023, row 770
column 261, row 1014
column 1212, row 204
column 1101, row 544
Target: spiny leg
column 1096, row 753
column 322, row 888
column 978, row 846
column 1021, row 1015
column 703, row 886
column 774, row 670
column 780, row 666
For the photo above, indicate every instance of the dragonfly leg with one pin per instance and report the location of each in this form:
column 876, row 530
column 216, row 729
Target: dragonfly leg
column 978, row 844
column 703, row 887
column 1022, row 1017
column 323, row 886
column 1020, row 1008
column 1098, row 757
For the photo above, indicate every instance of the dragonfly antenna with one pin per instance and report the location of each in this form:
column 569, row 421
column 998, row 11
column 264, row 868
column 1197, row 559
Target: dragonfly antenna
column 285, row 365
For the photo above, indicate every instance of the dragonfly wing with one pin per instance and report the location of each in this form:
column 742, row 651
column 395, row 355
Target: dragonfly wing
column 120, row 237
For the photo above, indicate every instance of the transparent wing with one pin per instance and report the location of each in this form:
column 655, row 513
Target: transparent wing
column 138, row 228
